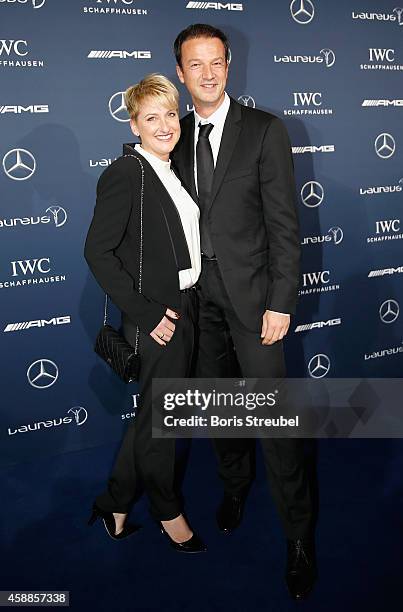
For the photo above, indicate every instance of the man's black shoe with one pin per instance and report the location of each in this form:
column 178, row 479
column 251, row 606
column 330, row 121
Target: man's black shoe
column 229, row 512
column 301, row 567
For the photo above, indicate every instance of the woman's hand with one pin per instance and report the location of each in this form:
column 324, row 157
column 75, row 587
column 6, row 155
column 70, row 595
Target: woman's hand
column 165, row 328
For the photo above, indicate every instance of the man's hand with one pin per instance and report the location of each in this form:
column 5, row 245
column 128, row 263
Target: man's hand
column 274, row 326
column 165, row 328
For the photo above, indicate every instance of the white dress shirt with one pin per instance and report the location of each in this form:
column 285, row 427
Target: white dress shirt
column 217, row 119
column 188, row 212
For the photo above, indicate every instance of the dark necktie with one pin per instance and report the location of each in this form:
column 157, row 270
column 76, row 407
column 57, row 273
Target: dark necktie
column 205, row 173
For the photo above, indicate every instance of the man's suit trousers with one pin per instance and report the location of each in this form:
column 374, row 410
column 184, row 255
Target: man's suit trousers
column 220, row 332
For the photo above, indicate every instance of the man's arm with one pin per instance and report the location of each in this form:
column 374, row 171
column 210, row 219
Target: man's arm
column 277, row 187
column 278, row 195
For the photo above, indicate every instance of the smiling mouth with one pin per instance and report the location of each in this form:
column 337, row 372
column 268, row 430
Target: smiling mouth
column 164, row 137
column 209, row 85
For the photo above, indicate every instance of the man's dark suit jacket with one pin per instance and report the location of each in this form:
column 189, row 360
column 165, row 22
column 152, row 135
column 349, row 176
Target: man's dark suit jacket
column 112, row 248
column 252, row 212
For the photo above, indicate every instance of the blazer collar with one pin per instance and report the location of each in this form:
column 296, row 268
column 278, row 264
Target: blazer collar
column 169, row 211
column 232, row 128
column 185, row 159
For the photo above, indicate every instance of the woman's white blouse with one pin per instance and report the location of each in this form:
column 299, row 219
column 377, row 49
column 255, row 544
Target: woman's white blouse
column 188, row 211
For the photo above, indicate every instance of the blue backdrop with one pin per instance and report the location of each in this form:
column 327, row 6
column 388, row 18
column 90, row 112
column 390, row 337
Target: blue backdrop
column 332, row 71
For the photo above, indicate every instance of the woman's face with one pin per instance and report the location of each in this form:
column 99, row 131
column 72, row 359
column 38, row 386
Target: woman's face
column 158, row 127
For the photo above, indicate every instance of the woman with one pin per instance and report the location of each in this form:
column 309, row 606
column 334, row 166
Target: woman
column 165, row 310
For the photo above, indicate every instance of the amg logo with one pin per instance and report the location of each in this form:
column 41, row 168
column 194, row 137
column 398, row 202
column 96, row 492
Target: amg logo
column 382, row 103
column 12, row 327
column 17, row 110
column 119, row 54
column 218, row 6
column 317, row 325
column 390, row 271
column 313, row 149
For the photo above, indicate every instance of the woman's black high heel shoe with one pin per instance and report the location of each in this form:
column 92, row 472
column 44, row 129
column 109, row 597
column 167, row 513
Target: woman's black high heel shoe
column 193, row 545
column 110, row 525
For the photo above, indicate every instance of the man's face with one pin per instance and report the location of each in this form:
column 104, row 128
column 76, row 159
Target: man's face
column 204, row 71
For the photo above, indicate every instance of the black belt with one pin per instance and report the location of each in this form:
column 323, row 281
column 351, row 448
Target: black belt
column 205, row 258
column 188, row 289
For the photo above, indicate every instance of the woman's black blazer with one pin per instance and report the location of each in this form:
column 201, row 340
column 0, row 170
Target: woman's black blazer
column 112, row 247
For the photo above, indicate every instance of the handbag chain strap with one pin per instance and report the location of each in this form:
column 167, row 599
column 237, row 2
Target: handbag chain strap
column 136, row 346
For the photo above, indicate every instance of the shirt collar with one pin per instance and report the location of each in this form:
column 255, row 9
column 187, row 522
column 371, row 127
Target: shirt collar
column 156, row 162
column 219, row 115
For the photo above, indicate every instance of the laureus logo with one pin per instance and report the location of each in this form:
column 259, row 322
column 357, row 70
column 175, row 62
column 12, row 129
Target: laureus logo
column 36, row 4
column 330, row 57
column 80, row 414
column 59, row 215
column 247, row 101
column 399, row 14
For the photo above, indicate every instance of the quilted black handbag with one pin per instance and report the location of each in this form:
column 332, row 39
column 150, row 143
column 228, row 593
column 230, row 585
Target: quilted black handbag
column 123, row 358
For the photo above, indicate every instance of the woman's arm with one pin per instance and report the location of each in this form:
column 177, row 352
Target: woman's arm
column 108, row 227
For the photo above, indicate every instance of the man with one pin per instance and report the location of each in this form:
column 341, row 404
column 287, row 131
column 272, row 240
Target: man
column 237, row 164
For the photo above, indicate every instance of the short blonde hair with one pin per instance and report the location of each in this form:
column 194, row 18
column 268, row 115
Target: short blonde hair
column 155, row 86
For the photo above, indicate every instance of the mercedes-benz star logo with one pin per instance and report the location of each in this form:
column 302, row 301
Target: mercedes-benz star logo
column 312, row 194
column 302, row 11
column 247, row 101
column 19, row 164
column 389, row 311
column 59, row 215
column 319, row 365
column 80, row 414
column 385, row 145
column 42, row 373
column 337, row 234
column 117, row 107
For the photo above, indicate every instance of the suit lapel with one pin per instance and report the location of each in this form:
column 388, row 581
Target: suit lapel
column 168, row 210
column 232, row 128
column 184, row 156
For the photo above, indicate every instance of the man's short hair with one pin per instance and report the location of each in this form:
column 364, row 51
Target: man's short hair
column 199, row 30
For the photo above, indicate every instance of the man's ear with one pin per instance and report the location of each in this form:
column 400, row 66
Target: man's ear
column 133, row 127
column 179, row 73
